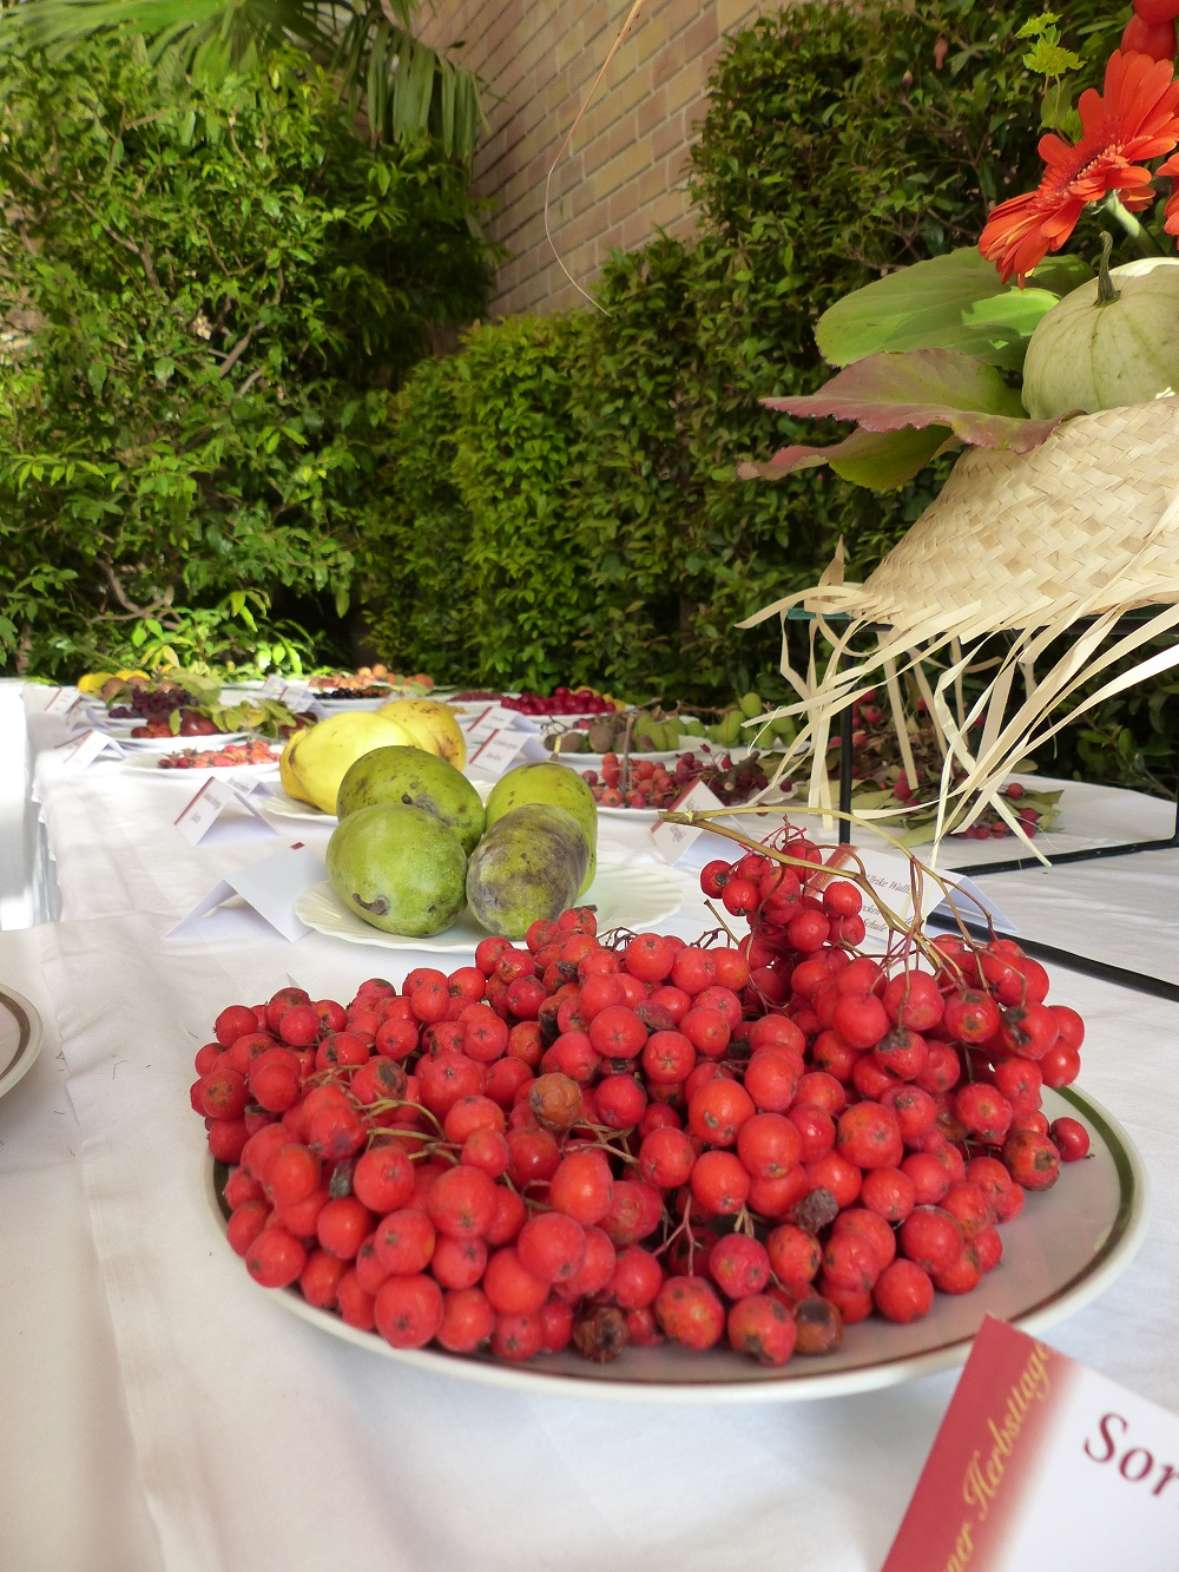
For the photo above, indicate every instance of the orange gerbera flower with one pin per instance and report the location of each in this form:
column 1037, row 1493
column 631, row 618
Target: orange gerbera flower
column 1135, row 118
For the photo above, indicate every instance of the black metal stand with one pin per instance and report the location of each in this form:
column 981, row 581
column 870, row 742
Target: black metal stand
column 1128, row 849
column 1052, row 955
column 1141, row 982
column 845, row 773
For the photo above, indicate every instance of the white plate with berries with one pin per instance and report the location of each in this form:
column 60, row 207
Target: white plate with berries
column 178, row 744
column 21, row 1035
column 596, row 761
column 623, row 895
column 232, row 759
column 1065, row 1250
column 729, row 1201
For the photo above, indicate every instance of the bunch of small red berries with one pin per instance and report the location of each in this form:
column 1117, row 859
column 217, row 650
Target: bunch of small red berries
column 602, row 1141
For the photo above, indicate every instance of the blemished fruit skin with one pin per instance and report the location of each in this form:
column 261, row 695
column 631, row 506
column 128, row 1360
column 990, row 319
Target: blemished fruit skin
column 431, row 725
column 398, row 868
column 414, row 779
column 1087, row 356
column 315, row 760
column 529, row 866
column 551, row 785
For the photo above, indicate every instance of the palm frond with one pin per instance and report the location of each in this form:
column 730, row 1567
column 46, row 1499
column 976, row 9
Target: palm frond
column 404, row 87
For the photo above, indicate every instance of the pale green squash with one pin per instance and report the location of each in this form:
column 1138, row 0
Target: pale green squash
column 1087, row 355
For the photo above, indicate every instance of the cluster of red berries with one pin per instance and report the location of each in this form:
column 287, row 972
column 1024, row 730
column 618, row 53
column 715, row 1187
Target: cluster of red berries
column 630, row 782
column 562, row 701
column 989, row 826
column 256, row 751
column 1151, row 29
column 598, row 1142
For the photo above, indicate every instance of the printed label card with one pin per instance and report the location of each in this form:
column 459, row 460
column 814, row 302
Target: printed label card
column 483, row 723
column 671, row 840
column 81, row 751
column 264, row 893
column 1042, row 1463
column 493, row 754
column 972, row 904
column 202, row 817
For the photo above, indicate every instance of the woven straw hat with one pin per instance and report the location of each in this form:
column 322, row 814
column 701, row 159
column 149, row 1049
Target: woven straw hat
column 1084, row 527
column 1014, row 539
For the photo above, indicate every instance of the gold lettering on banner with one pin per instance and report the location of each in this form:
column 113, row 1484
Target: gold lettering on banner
column 986, row 1468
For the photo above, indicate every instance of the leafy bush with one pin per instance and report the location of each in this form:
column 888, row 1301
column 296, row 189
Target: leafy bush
column 634, row 489
column 224, row 289
column 840, row 140
column 516, row 440
column 416, row 577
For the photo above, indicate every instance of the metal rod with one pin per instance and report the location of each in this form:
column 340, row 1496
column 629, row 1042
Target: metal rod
column 846, row 755
column 1016, row 864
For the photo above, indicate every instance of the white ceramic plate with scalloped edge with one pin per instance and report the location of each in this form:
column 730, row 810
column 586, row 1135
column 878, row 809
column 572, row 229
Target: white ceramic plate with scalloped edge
column 1067, row 1247
column 632, row 895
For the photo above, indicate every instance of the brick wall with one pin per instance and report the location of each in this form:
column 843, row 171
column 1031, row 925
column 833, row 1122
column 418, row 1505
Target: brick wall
column 624, row 175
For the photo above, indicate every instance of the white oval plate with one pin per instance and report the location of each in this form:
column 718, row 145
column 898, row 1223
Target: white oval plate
column 179, row 744
column 650, row 815
column 594, row 761
column 528, row 722
column 150, row 763
column 325, row 707
column 1065, row 1249
column 281, row 806
column 21, row 1036
column 634, row 895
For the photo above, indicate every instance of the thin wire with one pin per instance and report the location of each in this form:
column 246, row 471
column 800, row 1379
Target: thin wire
column 567, row 140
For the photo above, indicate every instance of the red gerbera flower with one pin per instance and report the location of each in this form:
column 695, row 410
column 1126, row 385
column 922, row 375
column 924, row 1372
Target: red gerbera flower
column 1134, row 119
column 1171, row 211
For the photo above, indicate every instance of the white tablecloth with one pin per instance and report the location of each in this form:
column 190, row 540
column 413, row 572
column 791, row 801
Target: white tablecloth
column 175, row 1417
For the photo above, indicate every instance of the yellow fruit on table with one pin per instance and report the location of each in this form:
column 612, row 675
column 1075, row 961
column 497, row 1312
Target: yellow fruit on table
column 92, row 681
column 127, row 675
column 433, row 727
column 315, row 760
column 287, row 772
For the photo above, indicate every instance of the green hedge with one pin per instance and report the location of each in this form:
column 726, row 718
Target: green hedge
column 223, row 291
column 416, row 578
column 595, row 468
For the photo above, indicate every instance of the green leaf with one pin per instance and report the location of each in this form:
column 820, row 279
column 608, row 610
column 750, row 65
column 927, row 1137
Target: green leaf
column 925, row 387
column 1037, row 26
column 882, row 461
column 163, row 368
column 1050, row 59
column 952, row 302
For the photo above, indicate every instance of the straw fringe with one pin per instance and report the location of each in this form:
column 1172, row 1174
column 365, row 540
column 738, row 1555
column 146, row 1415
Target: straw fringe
column 1031, row 545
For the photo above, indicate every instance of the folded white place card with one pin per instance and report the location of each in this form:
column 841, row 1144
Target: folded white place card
column 485, row 721
column 265, row 892
column 973, row 904
column 671, row 841
column 493, row 754
column 202, row 817
column 82, row 750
